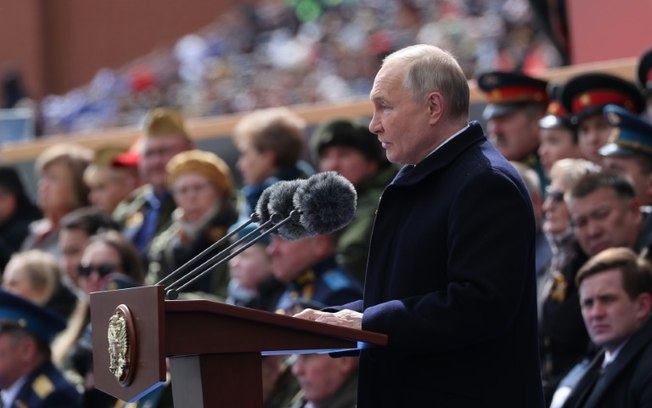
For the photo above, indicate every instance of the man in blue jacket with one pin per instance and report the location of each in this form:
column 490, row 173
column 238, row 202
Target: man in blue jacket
column 450, row 277
column 27, row 376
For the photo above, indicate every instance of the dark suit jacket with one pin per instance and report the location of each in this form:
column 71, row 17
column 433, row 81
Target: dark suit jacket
column 626, row 382
column 451, row 281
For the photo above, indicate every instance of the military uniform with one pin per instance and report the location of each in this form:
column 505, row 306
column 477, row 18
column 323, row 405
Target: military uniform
column 144, row 210
column 631, row 136
column 556, row 114
column 353, row 240
column 325, row 284
column 508, row 92
column 146, row 213
column 45, row 386
column 173, row 248
column 587, row 94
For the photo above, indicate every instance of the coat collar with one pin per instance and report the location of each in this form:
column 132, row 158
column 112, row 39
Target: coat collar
column 627, row 355
column 413, row 174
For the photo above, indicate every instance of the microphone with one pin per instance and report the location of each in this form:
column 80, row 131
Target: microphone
column 273, row 211
column 172, row 292
column 281, row 202
column 261, row 205
column 327, row 202
column 253, row 218
column 261, row 215
column 294, row 209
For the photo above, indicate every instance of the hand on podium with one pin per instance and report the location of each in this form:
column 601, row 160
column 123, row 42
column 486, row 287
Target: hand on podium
column 343, row 318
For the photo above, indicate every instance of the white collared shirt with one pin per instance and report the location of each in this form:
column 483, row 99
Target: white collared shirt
column 448, row 139
column 9, row 395
column 610, row 356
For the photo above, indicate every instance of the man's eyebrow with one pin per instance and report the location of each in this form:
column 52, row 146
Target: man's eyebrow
column 378, row 97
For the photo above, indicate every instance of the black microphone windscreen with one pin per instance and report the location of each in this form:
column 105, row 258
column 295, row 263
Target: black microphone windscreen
column 261, row 205
column 327, row 202
column 281, row 203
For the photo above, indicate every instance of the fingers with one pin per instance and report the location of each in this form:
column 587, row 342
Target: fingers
column 308, row 314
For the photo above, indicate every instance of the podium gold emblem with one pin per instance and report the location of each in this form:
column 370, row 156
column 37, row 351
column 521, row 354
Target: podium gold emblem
column 122, row 345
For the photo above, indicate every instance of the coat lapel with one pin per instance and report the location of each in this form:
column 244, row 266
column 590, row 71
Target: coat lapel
column 625, row 358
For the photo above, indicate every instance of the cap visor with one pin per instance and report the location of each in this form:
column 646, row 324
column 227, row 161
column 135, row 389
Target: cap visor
column 554, row 122
column 613, row 149
column 493, row 110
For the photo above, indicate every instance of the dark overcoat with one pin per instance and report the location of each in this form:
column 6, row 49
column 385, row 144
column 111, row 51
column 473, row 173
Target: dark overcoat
column 451, row 281
column 625, row 383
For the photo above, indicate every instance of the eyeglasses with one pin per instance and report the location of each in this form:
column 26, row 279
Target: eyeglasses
column 555, row 195
column 102, row 269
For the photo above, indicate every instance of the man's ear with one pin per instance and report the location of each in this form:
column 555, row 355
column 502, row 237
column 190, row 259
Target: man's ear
column 435, row 105
column 26, row 348
column 648, row 185
column 644, row 303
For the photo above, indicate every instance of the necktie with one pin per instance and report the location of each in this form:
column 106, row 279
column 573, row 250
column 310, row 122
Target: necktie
column 598, row 384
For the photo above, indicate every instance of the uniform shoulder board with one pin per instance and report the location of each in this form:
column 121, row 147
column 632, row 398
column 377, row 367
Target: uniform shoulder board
column 336, row 280
column 42, row 386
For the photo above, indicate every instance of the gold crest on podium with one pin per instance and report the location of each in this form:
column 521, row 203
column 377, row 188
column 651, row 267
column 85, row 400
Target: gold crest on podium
column 121, row 335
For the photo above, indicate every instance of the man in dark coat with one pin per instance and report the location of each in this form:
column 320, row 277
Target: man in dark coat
column 615, row 289
column 450, row 277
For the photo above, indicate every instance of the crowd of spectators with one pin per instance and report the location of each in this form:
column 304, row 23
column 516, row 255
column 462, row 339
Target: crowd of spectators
column 286, row 53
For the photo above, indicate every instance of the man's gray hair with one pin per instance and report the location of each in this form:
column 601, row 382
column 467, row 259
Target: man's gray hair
column 431, row 68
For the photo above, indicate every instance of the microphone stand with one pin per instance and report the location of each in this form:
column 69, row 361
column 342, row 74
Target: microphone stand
column 253, row 218
column 172, row 291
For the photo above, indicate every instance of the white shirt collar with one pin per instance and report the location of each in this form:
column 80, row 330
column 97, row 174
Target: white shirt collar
column 9, row 395
column 610, row 356
column 448, row 139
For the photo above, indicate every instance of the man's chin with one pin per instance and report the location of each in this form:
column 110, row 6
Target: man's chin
column 596, row 249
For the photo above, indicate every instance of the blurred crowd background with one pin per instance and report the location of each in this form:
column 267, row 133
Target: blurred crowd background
column 292, row 52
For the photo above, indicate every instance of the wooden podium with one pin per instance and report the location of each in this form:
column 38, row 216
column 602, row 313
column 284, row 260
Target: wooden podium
column 215, row 349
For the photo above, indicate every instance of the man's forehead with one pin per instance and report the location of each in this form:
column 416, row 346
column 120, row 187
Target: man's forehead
column 607, row 281
column 595, row 198
column 386, row 80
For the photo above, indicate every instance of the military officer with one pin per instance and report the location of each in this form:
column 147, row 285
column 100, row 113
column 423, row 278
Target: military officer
column 347, row 147
column 312, row 276
column 630, row 151
column 515, row 104
column 585, row 95
column 557, row 135
column 148, row 209
column 27, row 376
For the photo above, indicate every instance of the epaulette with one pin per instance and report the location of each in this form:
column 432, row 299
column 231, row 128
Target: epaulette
column 42, row 386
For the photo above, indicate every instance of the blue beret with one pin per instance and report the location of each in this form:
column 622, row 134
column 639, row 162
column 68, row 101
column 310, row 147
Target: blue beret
column 36, row 320
column 629, row 133
column 265, row 240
